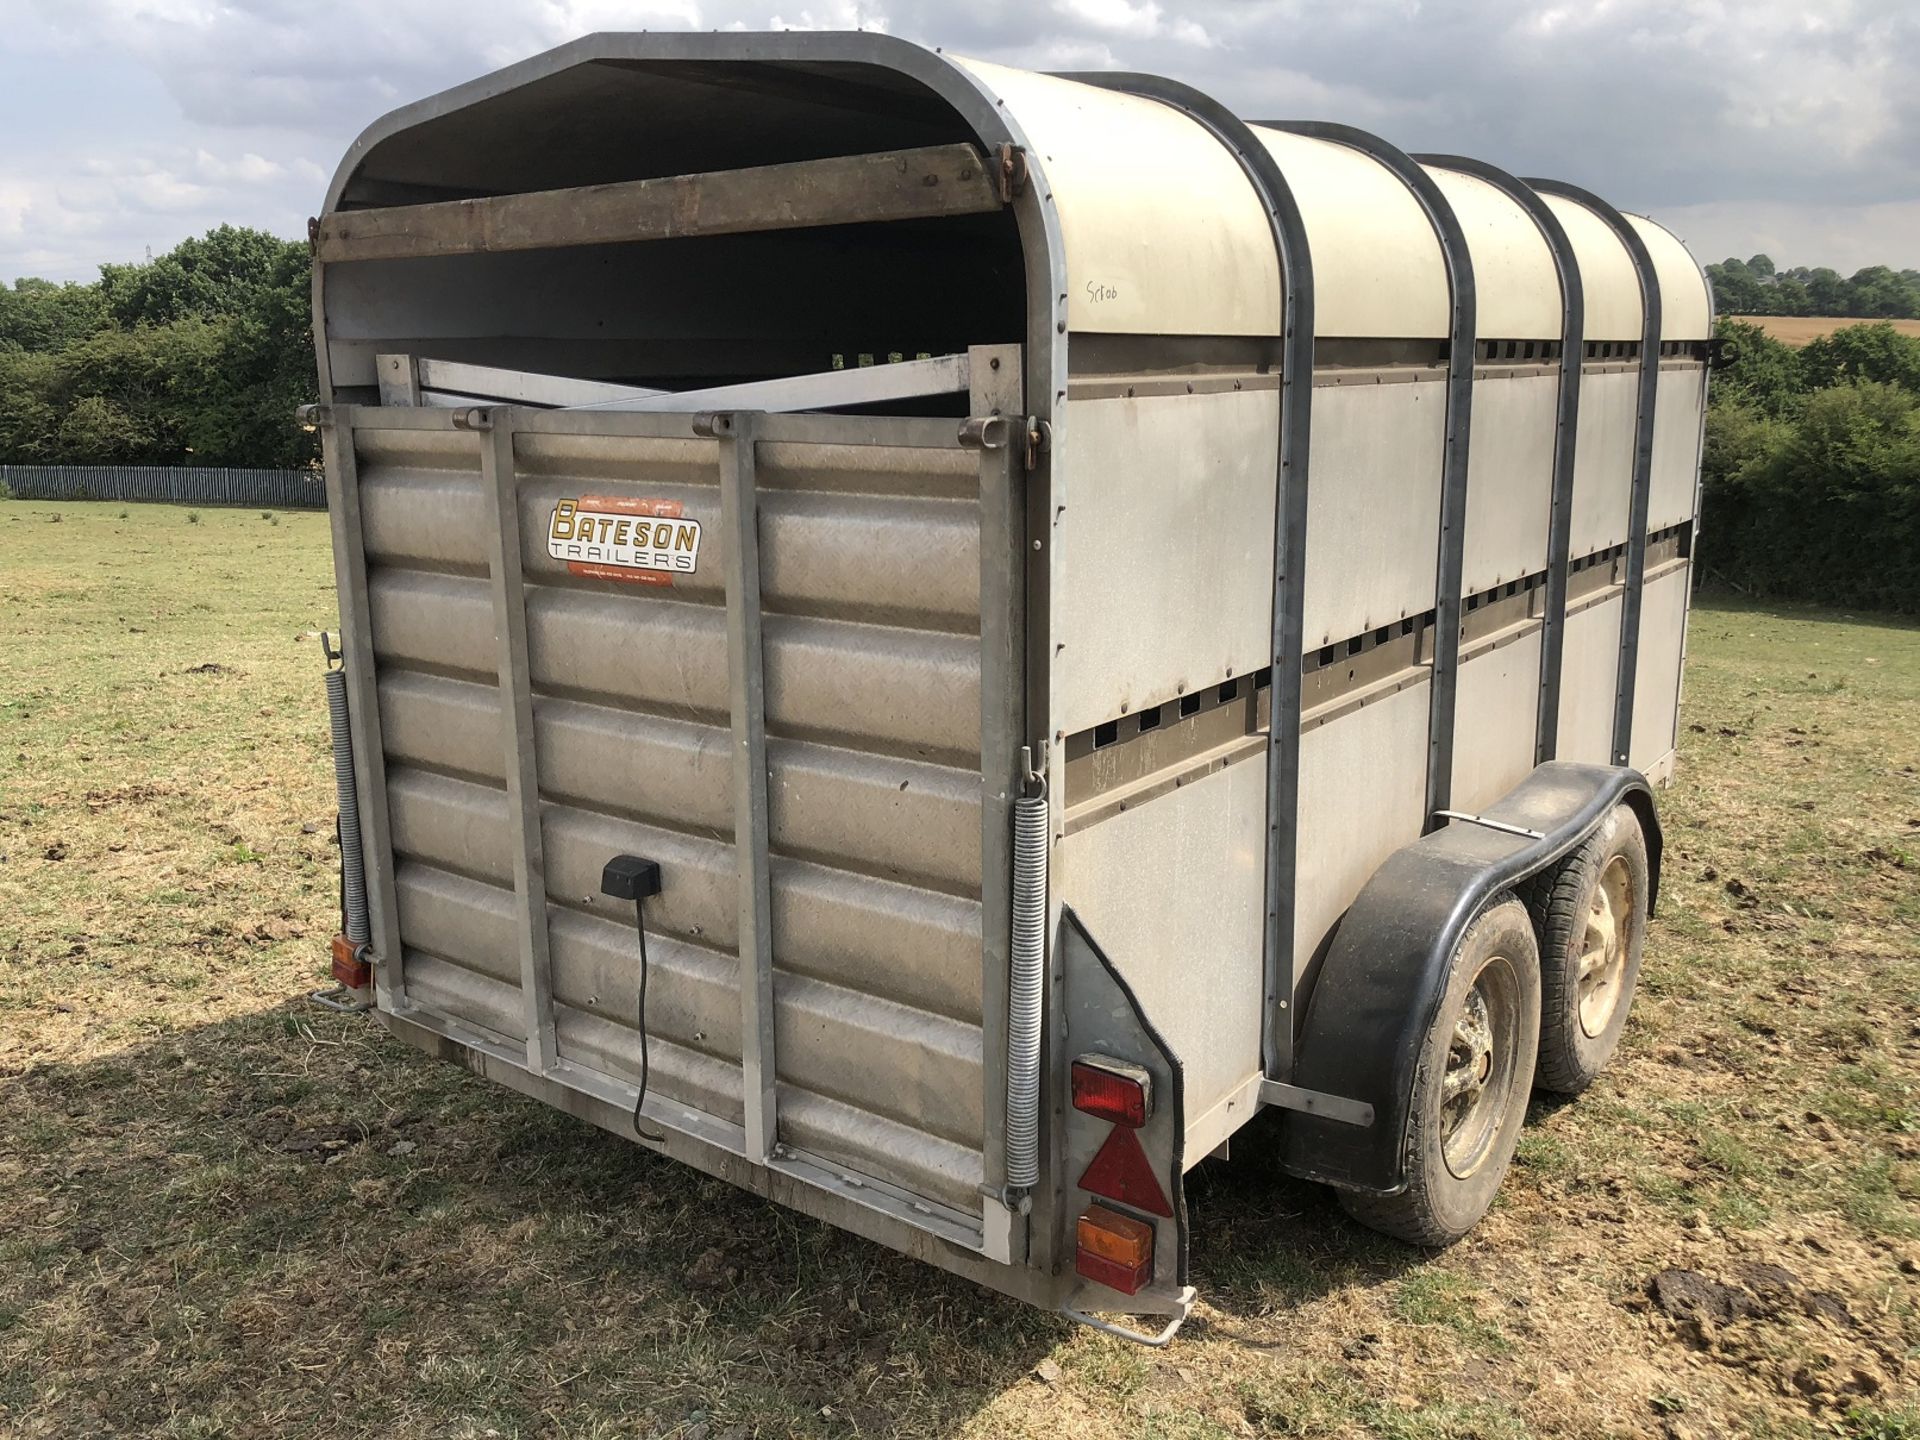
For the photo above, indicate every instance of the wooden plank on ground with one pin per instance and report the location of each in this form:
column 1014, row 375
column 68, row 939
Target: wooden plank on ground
column 937, row 180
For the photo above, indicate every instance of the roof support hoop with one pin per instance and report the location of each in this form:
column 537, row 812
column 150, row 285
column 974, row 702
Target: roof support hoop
column 1281, row 959
column 746, row 691
column 1649, row 392
column 927, row 183
column 1443, row 696
column 1573, row 319
column 501, row 487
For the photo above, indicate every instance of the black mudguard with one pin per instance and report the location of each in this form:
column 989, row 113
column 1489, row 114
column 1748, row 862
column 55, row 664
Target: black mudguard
column 1383, row 977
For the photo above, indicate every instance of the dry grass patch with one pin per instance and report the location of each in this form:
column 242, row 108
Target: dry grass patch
column 1801, row 329
column 223, row 1212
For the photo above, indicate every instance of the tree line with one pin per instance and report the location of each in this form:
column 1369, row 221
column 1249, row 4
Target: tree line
column 1755, row 287
column 1811, row 467
column 197, row 357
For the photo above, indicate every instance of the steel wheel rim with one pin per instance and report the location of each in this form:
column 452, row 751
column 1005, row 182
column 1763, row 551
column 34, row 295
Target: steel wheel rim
column 1482, row 1050
column 1603, row 948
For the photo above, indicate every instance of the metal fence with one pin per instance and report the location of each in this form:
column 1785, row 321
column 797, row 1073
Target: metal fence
column 169, row 484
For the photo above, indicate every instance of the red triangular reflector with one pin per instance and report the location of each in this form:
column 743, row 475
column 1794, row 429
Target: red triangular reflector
column 1121, row 1171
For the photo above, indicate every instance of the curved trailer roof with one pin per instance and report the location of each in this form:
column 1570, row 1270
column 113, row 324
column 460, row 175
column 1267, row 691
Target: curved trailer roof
column 1139, row 220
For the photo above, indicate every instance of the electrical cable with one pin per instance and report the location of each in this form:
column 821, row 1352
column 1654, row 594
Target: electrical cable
column 640, row 1019
column 634, row 877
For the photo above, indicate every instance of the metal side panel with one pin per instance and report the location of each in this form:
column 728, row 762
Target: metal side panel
column 1374, row 507
column 1656, row 696
column 1175, row 883
column 1509, row 480
column 1363, row 780
column 1499, row 711
column 1603, row 460
column 1676, row 445
column 550, row 700
column 1589, row 674
column 1165, row 549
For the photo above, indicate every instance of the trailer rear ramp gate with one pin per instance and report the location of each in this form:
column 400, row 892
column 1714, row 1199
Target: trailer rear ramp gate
column 587, row 628
column 929, row 639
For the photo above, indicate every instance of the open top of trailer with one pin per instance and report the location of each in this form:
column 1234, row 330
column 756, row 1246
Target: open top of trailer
column 1024, row 589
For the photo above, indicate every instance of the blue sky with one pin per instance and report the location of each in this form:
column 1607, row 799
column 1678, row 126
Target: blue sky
column 1745, row 125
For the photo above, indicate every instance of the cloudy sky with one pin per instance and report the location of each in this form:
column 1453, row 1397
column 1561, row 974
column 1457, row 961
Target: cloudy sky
column 1788, row 126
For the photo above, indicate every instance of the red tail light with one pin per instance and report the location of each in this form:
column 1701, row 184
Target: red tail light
column 1113, row 1090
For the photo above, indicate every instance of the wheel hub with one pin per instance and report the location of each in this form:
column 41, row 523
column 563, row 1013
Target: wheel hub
column 1474, row 1093
column 1603, row 947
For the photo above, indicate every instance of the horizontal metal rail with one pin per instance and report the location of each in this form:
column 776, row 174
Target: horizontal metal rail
column 926, row 183
column 824, row 390
column 452, row 383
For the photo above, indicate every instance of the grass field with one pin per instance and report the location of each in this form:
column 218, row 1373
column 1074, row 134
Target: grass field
column 224, row 1212
column 1799, row 329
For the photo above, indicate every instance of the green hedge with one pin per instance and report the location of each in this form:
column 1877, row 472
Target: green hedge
column 1811, row 472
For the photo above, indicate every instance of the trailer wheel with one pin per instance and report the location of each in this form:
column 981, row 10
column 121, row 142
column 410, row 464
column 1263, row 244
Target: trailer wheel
column 1471, row 1086
column 1591, row 912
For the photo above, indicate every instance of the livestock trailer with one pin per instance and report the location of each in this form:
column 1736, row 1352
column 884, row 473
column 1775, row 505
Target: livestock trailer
column 930, row 639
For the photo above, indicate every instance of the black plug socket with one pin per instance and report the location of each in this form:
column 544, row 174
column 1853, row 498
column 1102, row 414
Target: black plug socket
column 630, row 877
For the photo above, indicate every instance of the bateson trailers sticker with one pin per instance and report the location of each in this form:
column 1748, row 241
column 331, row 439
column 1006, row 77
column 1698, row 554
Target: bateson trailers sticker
column 646, row 542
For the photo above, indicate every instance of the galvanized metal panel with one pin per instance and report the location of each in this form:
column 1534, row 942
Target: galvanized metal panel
column 1516, row 287
column 1603, row 460
column 890, row 817
column 1163, row 234
column 1676, row 446
column 1509, row 478
column 1363, row 784
column 1588, row 677
column 870, row 574
column 1498, row 716
column 1686, row 305
column 1373, row 512
column 1164, row 550
column 1656, row 694
column 1607, row 278
column 1173, row 889
column 1377, row 267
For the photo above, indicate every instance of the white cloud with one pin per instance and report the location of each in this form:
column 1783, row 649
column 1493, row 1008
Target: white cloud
column 841, row 15
column 1117, row 17
column 1767, row 118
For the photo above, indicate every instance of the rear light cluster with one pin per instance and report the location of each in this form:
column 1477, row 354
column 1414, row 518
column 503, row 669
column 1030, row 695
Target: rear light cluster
column 1113, row 1248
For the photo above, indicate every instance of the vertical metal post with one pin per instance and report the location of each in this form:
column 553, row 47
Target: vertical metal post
column 363, row 698
column 1553, row 621
column 500, row 484
column 399, row 377
column 996, row 390
column 746, row 692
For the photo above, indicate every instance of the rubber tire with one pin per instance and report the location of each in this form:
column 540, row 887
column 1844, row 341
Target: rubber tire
column 1437, row 1207
column 1571, row 1059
